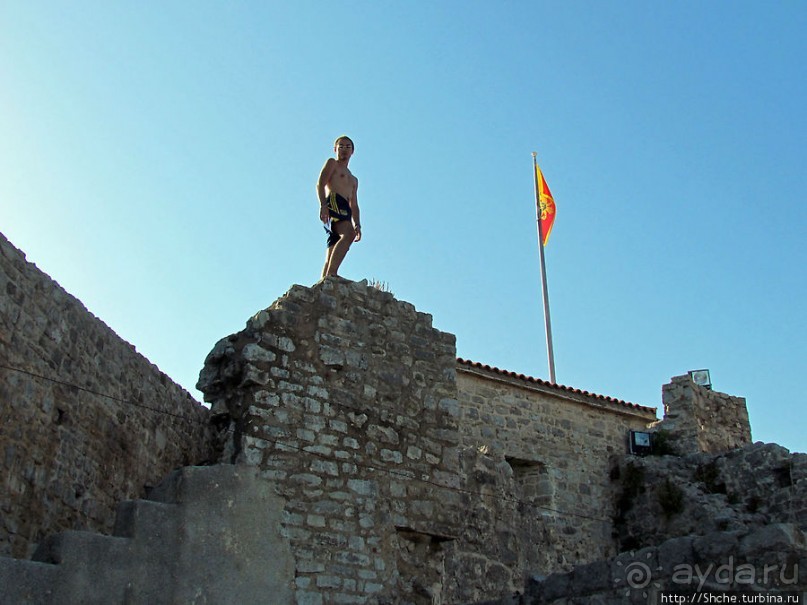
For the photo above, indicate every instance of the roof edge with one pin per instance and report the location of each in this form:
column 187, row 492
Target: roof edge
column 532, row 381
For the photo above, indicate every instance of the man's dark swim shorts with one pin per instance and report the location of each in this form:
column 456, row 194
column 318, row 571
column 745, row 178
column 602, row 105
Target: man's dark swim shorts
column 338, row 210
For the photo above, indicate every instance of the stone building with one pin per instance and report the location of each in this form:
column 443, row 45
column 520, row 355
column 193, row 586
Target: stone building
column 350, row 458
column 559, row 445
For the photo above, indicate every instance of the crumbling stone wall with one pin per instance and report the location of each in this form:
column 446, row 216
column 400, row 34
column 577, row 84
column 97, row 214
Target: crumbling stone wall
column 501, row 535
column 346, row 398
column 662, row 497
column 555, row 447
column 734, row 521
column 404, row 475
column 85, row 421
column 402, row 487
column 698, row 419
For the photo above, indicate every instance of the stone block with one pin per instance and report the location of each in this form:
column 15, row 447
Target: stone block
column 715, row 546
column 776, row 537
column 254, row 353
column 363, row 487
column 27, row 582
column 674, row 552
column 555, row 586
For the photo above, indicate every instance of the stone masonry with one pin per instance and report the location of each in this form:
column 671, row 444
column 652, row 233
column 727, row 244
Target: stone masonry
column 445, row 509
column 407, row 481
column 766, row 565
column 734, row 521
column 356, row 460
column 85, row 421
column 558, row 445
column 346, row 399
column 698, row 419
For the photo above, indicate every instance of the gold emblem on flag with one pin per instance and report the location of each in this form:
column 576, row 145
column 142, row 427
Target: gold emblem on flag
column 546, row 209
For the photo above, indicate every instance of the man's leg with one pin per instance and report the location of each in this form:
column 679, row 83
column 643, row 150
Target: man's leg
column 337, row 252
column 328, row 254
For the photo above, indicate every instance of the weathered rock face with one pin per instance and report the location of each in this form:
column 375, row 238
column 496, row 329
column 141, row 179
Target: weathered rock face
column 346, row 398
column 733, row 521
column 85, row 421
column 770, row 559
column 698, row 419
column 663, row 497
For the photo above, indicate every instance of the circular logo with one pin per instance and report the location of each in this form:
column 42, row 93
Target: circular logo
column 638, row 575
column 635, row 574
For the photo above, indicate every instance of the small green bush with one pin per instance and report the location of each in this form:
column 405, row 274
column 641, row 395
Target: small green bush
column 709, row 475
column 663, row 444
column 671, row 498
column 632, row 486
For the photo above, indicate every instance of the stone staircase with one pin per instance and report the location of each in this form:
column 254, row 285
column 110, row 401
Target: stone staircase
column 206, row 535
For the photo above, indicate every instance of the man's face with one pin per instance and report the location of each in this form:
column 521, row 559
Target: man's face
column 343, row 149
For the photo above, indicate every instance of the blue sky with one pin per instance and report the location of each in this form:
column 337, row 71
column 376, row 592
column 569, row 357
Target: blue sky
column 158, row 160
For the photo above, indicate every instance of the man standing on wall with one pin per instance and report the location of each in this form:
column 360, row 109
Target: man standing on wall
column 337, row 190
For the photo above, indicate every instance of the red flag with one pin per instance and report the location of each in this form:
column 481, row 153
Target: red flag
column 546, row 209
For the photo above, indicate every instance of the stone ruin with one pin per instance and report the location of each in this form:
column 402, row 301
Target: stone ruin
column 352, row 459
column 698, row 419
column 734, row 522
column 346, row 400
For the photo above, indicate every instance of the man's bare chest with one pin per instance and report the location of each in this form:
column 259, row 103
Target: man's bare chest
column 343, row 175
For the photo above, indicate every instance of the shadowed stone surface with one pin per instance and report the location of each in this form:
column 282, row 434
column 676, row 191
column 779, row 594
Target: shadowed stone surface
column 213, row 537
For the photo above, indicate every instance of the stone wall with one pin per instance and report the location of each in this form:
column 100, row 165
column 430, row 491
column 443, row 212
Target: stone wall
column 558, row 445
column 395, row 473
column 410, row 478
column 698, row 419
column 85, row 421
column 346, row 398
column 663, row 497
column 701, row 523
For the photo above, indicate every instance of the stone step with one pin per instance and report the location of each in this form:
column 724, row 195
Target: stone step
column 72, row 546
column 208, row 534
column 97, row 569
column 92, row 569
column 145, row 520
column 169, row 490
column 192, row 484
column 182, row 485
column 27, row 582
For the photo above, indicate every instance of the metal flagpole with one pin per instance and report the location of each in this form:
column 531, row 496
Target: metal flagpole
column 548, row 324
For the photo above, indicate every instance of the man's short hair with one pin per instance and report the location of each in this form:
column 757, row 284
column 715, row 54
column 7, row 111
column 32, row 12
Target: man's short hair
column 344, row 138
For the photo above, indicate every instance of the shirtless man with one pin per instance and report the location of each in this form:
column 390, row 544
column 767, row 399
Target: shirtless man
column 338, row 205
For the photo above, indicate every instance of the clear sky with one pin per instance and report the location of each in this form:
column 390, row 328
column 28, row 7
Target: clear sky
column 158, row 160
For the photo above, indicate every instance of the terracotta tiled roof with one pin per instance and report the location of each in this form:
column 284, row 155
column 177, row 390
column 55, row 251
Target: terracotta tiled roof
column 560, row 387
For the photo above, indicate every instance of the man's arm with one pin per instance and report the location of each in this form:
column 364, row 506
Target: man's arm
column 354, row 209
column 324, row 178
